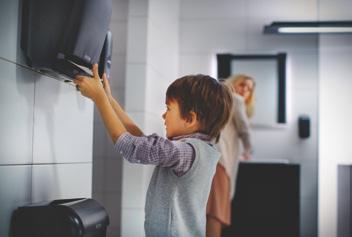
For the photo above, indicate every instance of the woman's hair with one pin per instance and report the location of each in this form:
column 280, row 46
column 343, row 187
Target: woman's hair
column 206, row 97
column 234, row 81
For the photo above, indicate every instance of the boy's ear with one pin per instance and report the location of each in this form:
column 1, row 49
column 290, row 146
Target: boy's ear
column 192, row 121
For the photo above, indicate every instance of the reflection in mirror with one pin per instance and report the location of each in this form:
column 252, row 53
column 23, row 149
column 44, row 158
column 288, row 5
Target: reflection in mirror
column 268, row 71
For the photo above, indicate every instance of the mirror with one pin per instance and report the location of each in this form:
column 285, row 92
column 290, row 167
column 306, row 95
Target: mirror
column 268, row 72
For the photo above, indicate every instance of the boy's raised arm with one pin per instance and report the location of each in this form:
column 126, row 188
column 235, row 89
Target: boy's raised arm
column 93, row 89
column 125, row 119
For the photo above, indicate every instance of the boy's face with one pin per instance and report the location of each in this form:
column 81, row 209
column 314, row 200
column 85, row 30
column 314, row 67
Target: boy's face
column 174, row 123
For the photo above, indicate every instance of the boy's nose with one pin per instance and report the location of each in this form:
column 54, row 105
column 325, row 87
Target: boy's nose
column 163, row 115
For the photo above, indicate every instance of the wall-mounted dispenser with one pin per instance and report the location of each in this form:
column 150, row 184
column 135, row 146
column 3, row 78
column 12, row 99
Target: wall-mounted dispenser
column 106, row 54
column 80, row 217
column 303, row 126
column 65, row 36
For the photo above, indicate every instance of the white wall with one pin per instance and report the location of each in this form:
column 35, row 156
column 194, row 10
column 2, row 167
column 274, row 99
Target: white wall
column 224, row 26
column 335, row 112
column 46, row 130
column 152, row 56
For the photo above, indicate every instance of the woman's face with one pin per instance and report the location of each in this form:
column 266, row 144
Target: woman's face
column 244, row 88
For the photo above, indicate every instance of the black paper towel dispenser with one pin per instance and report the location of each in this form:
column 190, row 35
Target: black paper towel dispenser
column 105, row 56
column 64, row 36
column 60, row 218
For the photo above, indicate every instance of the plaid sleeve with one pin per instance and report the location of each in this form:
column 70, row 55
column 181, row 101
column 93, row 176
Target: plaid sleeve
column 156, row 150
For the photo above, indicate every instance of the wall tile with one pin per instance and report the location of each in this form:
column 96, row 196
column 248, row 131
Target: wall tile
column 282, row 10
column 61, row 181
column 335, row 10
column 205, row 9
column 156, row 88
column 136, row 40
column 134, row 191
column 103, row 145
column 119, row 10
column 113, row 206
column 309, row 181
column 113, row 231
column 118, row 73
column 135, row 87
column 299, row 76
column 161, row 58
column 9, row 25
column 98, row 179
column 261, row 143
column 16, row 114
column 301, row 106
column 134, row 227
column 164, row 15
column 210, row 35
column 335, row 115
column 15, row 186
column 119, row 36
column 138, row 8
column 308, row 220
column 113, row 173
column 63, row 123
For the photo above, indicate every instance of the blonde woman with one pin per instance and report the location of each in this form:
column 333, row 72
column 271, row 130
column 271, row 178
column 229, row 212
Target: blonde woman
column 234, row 142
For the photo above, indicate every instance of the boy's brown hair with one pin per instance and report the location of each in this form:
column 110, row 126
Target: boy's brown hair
column 206, row 97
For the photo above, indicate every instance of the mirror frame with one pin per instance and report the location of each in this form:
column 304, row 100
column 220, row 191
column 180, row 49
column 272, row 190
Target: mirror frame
column 224, row 71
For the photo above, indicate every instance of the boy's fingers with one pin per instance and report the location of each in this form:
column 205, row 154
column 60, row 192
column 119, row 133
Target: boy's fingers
column 95, row 72
column 78, row 78
column 76, row 81
column 104, row 77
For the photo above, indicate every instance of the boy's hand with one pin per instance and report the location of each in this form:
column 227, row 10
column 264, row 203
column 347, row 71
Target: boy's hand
column 90, row 87
column 106, row 86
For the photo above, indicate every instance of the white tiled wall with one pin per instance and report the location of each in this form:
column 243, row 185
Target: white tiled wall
column 334, row 10
column 57, row 108
column 205, row 9
column 136, row 38
column 283, row 10
column 46, row 130
column 335, row 116
column 16, row 114
column 55, row 130
column 61, row 181
column 212, row 35
column 135, row 96
column 15, row 190
column 9, row 25
column 335, row 55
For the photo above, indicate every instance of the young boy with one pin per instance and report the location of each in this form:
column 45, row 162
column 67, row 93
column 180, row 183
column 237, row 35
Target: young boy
column 197, row 109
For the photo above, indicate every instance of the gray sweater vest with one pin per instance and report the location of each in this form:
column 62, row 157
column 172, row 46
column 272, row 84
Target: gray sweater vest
column 176, row 206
